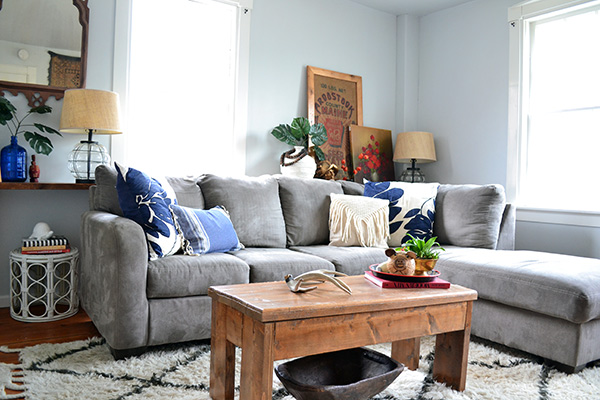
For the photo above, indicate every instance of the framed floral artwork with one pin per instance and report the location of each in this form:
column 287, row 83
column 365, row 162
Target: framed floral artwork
column 372, row 154
column 335, row 100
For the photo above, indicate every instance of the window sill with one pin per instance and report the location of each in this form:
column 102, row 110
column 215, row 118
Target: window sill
column 561, row 217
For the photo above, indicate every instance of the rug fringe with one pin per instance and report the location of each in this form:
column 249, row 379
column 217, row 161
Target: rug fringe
column 9, row 375
column 5, row 349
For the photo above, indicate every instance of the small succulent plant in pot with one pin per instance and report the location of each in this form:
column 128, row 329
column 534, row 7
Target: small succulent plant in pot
column 427, row 251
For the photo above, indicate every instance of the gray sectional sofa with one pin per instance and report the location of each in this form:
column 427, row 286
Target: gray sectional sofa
column 546, row 304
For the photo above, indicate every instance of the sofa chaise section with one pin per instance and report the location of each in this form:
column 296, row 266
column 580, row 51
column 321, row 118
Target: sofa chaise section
column 546, row 304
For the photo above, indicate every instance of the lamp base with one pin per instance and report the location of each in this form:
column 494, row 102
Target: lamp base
column 413, row 175
column 84, row 159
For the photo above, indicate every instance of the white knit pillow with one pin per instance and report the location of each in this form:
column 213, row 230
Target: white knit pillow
column 358, row 221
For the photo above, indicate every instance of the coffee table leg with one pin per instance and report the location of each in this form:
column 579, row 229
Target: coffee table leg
column 451, row 355
column 407, row 352
column 258, row 339
column 222, row 355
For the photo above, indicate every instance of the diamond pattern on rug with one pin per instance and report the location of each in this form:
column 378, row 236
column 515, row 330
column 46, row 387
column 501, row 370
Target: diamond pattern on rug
column 86, row 369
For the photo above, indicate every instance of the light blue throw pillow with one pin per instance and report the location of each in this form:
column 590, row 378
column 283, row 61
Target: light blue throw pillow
column 206, row 231
column 146, row 201
column 412, row 208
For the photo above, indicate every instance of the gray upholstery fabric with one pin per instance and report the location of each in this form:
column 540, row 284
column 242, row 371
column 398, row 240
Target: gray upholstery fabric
column 112, row 278
column 179, row 320
column 187, row 192
column 354, row 188
column 104, row 197
column 254, row 207
column 565, row 342
column 469, row 215
column 545, row 304
column 349, row 260
column 560, row 286
column 305, row 204
column 508, row 226
column 180, row 276
column 273, row 264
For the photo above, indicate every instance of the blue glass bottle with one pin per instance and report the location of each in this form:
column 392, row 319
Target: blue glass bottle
column 13, row 162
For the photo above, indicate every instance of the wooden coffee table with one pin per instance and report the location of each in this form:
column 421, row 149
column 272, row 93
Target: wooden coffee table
column 268, row 322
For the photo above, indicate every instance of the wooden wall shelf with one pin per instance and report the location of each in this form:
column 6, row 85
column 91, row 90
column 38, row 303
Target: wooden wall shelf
column 43, row 186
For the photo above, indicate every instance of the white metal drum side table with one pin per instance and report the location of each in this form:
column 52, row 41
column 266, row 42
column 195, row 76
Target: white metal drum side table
column 43, row 287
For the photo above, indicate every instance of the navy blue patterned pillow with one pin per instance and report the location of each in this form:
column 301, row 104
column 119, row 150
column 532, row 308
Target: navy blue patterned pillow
column 147, row 202
column 412, row 208
column 206, row 231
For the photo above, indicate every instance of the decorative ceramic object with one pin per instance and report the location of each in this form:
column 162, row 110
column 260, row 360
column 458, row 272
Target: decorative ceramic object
column 41, row 231
column 311, row 277
column 14, row 162
column 34, row 170
column 298, row 163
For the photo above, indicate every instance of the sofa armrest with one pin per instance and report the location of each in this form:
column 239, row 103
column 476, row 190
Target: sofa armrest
column 506, row 238
column 112, row 278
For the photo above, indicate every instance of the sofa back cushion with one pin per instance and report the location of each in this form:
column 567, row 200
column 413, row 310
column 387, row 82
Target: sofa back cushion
column 253, row 205
column 187, row 191
column 103, row 197
column 305, row 204
column 469, row 215
column 354, row 188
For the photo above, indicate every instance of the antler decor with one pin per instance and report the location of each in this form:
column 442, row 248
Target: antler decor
column 316, row 276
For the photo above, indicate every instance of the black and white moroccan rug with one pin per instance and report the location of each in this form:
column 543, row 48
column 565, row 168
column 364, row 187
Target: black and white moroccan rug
column 86, row 370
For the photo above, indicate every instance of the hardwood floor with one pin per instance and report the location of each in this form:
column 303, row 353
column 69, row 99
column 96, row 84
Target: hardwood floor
column 15, row 334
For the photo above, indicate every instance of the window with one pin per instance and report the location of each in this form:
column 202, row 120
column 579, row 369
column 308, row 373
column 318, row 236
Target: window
column 183, row 78
column 555, row 105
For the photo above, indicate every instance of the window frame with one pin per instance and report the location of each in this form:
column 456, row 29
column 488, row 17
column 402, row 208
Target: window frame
column 519, row 17
column 122, row 43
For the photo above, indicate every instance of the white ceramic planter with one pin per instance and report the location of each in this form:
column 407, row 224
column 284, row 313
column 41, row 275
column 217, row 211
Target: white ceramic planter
column 303, row 168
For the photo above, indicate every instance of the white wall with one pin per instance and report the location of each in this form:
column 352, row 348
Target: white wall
column 338, row 35
column 457, row 89
column 463, row 91
column 463, row 100
column 21, row 210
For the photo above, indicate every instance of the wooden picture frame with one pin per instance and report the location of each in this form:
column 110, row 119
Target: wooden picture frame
column 335, row 100
column 372, row 154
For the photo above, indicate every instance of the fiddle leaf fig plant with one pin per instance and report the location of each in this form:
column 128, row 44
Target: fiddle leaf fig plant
column 33, row 133
column 429, row 249
column 298, row 133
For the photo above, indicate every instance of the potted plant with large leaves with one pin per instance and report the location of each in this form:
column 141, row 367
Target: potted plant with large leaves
column 427, row 252
column 300, row 134
column 13, row 156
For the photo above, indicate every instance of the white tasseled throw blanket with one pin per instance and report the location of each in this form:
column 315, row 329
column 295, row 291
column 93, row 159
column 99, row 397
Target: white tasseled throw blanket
column 358, row 221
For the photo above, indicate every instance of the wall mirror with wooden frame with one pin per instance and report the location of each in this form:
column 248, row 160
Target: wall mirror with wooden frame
column 43, row 47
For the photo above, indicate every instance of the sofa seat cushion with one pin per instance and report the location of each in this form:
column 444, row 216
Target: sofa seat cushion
column 268, row 264
column 557, row 285
column 305, row 204
column 349, row 260
column 182, row 276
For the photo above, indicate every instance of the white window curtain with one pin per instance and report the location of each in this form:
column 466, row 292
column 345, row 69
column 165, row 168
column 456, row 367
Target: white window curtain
column 184, row 78
column 555, row 105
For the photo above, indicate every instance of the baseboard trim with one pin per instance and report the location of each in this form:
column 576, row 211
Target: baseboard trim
column 4, row 301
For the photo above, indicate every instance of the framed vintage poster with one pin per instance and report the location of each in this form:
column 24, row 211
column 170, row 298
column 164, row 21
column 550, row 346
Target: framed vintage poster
column 372, row 154
column 335, row 100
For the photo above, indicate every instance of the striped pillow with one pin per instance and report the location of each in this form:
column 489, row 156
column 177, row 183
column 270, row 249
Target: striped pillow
column 206, row 231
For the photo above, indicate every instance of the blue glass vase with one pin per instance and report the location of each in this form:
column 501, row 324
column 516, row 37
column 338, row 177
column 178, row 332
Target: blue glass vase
column 13, row 162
